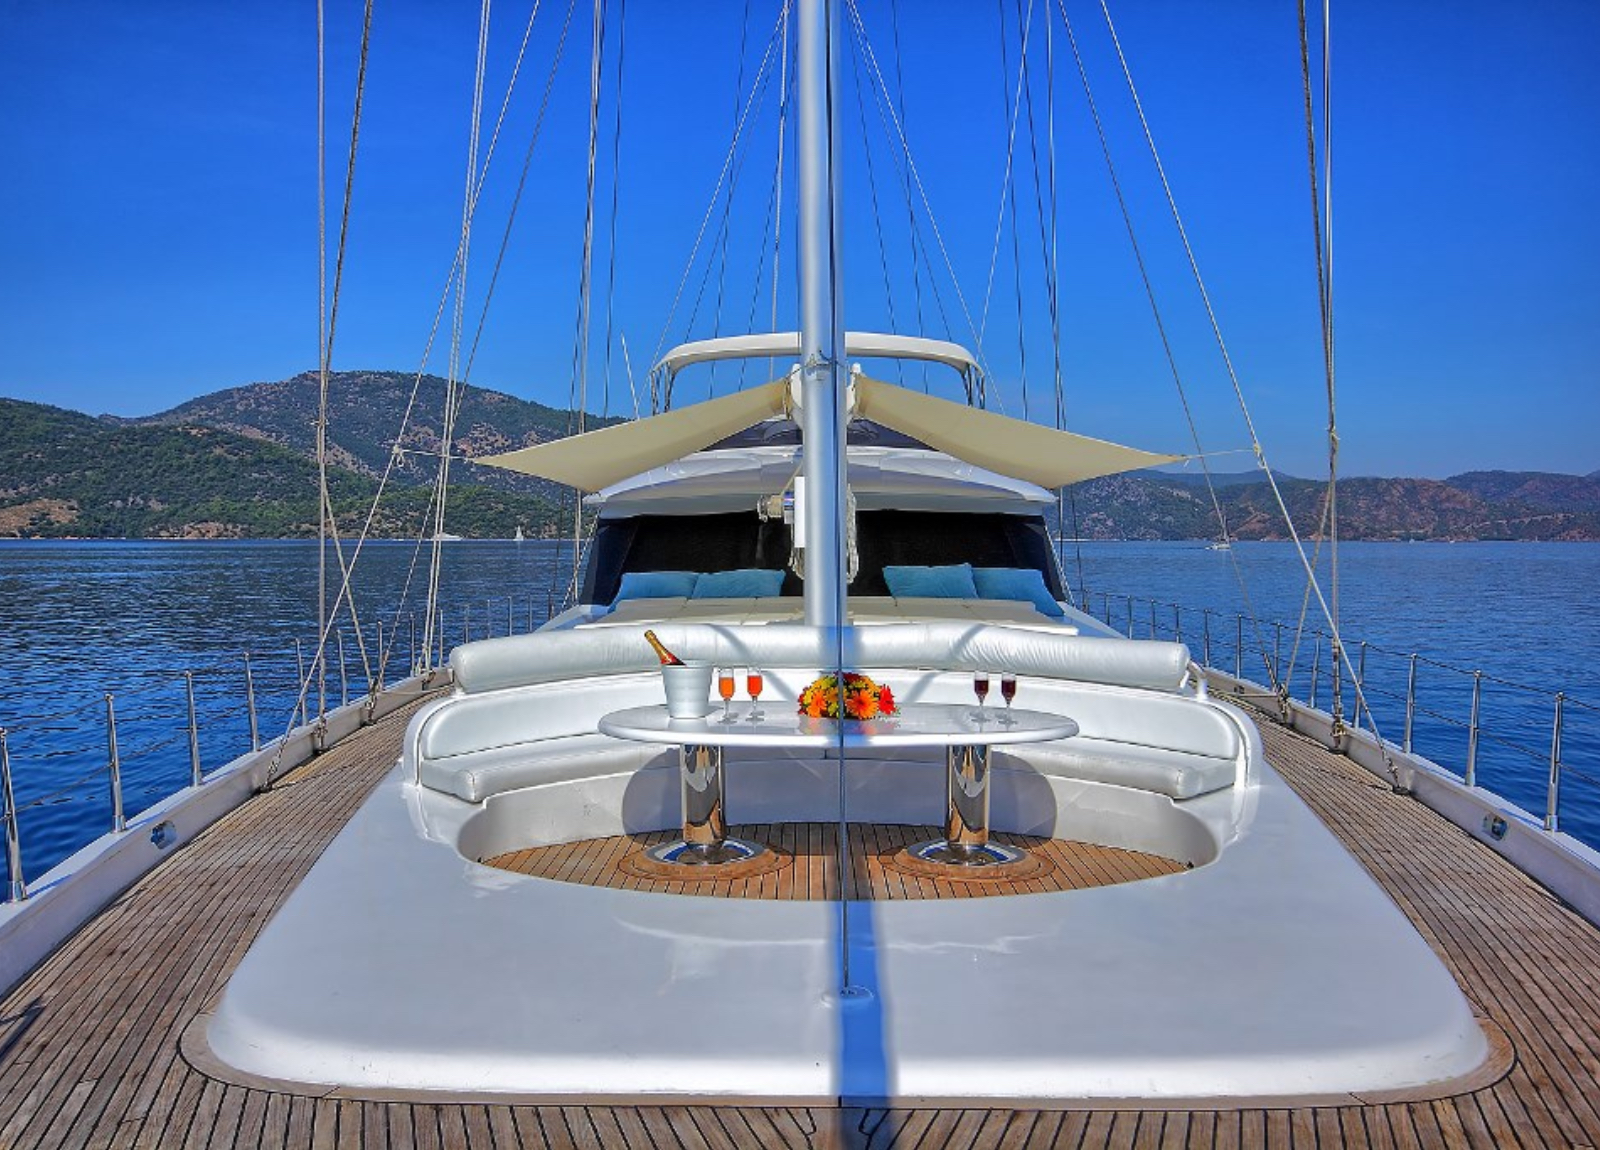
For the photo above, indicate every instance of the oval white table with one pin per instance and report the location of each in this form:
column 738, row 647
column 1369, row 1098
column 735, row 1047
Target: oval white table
column 965, row 736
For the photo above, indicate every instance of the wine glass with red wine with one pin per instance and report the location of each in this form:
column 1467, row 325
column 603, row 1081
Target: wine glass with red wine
column 980, row 688
column 1008, row 691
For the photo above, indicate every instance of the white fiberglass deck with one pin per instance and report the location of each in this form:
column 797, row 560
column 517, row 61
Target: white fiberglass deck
column 1276, row 968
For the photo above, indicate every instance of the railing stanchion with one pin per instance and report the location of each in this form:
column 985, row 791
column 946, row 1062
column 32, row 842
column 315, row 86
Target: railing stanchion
column 1552, row 801
column 19, row 888
column 1106, row 604
column 1471, row 777
column 511, row 625
column 194, row 730
column 1205, row 635
column 488, row 618
column 1277, row 654
column 300, row 662
column 114, row 767
column 466, row 622
column 1130, row 616
column 1361, row 682
column 440, row 630
column 383, row 657
column 411, row 647
column 1238, row 650
column 530, row 614
column 344, row 671
column 1152, row 618
column 1316, row 665
column 1411, row 702
column 1177, row 623
column 250, row 703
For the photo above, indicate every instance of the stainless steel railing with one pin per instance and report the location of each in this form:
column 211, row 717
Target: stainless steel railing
column 1468, row 715
column 141, row 724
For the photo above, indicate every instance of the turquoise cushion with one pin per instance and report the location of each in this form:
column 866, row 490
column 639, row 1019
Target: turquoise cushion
column 745, row 583
column 656, row 585
column 954, row 582
column 1023, row 583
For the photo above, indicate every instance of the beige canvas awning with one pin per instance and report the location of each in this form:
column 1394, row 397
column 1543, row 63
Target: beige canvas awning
column 999, row 443
column 597, row 459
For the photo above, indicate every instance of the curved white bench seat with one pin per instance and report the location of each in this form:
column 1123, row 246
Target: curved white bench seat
column 529, row 707
column 1177, row 774
column 478, row 775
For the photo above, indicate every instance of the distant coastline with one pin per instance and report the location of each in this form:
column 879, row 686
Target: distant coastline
column 238, row 464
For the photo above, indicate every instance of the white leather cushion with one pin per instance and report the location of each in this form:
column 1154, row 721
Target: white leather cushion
column 1176, row 774
column 477, row 776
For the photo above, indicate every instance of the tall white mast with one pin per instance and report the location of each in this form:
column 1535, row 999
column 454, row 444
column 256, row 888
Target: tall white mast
column 824, row 372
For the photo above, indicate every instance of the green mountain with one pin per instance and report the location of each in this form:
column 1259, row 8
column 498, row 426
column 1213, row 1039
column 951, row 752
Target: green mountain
column 364, row 411
column 238, row 463
column 1479, row 505
column 63, row 474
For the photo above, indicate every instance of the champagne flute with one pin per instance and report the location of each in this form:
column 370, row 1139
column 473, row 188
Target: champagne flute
column 754, row 683
column 1008, row 691
column 980, row 688
column 725, row 689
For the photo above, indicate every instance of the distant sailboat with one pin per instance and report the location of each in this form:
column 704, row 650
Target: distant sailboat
column 519, row 536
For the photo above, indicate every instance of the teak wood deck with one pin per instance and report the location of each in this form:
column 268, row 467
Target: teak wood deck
column 803, row 865
column 89, row 1042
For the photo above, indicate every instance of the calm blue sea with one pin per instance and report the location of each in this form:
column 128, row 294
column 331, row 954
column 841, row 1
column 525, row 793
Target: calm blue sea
column 80, row 620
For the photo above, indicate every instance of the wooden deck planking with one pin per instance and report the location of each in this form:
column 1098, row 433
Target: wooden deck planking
column 598, row 862
column 88, row 1041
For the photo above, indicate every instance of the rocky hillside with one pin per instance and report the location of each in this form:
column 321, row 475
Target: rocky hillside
column 1478, row 505
column 238, row 463
column 365, row 409
column 63, row 474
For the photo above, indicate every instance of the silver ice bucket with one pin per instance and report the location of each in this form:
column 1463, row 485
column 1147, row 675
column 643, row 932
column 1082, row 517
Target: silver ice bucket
column 688, row 689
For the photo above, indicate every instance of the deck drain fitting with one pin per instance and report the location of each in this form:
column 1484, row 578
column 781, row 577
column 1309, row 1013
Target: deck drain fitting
column 163, row 835
column 1494, row 826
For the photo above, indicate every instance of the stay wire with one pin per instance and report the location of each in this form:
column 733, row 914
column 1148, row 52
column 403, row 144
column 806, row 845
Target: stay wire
column 904, row 164
column 705, row 220
column 877, row 217
column 580, row 342
column 616, row 191
column 905, row 179
column 916, row 177
column 727, row 206
column 1161, row 328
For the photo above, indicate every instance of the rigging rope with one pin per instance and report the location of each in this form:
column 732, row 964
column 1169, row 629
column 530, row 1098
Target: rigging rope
column 616, row 188
column 327, row 322
column 777, row 179
column 905, row 180
column 1325, row 302
column 1026, row 26
column 452, row 380
column 916, row 176
column 580, row 342
column 1161, row 329
column 656, row 401
column 877, row 219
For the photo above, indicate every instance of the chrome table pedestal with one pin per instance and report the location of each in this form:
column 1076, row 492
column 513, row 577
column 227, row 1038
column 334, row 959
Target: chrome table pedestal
column 966, row 825
column 705, row 840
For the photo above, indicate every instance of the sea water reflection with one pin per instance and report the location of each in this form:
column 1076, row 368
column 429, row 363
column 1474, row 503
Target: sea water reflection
column 79, row 620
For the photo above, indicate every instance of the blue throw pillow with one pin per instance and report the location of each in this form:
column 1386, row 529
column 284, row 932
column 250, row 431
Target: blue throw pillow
column 954, row 582
column 656, row 585
column 745, row 583
column 1023, row 583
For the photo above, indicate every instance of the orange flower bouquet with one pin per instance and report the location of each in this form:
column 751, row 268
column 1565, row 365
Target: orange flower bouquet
column 860, row 698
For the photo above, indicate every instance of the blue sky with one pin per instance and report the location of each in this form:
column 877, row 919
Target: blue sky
column 158, row 212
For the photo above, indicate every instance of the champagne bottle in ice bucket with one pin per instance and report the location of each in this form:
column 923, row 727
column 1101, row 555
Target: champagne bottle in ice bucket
column 688, row 685
column 668, row 659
